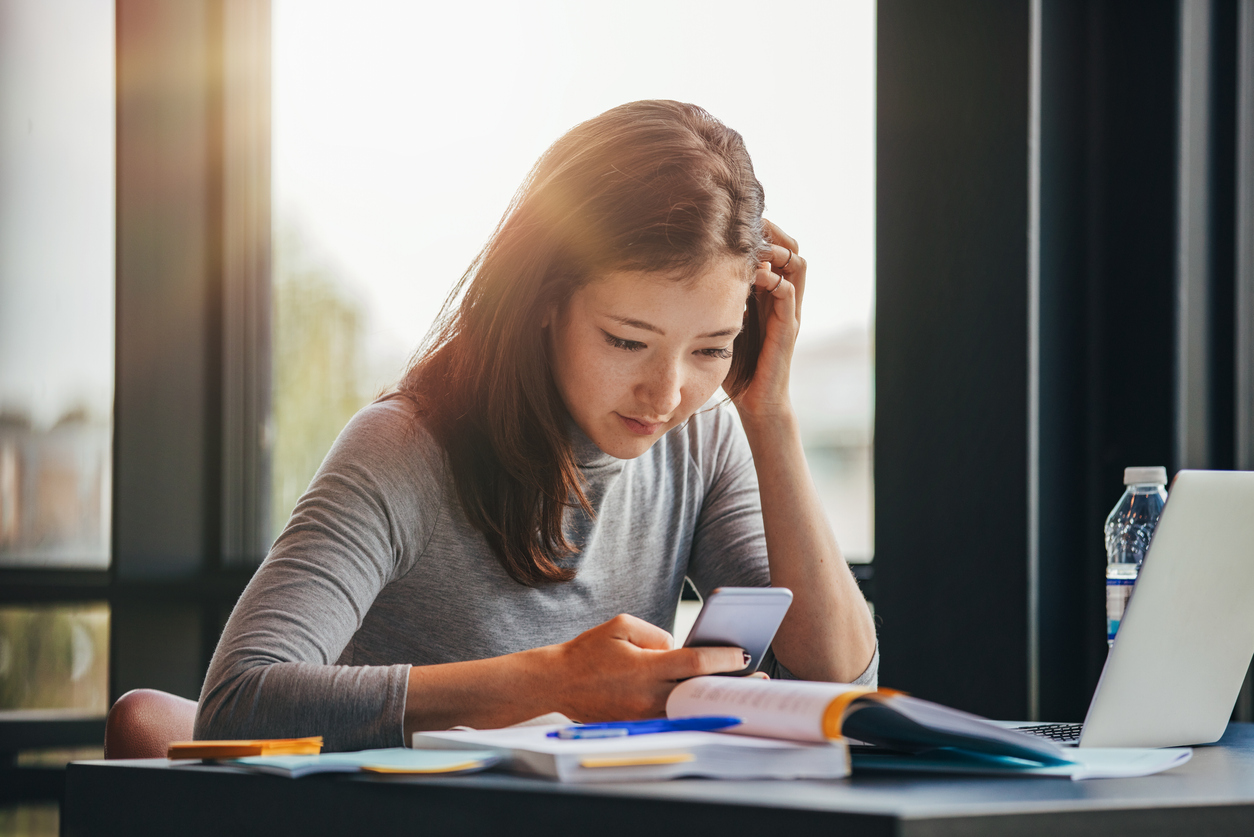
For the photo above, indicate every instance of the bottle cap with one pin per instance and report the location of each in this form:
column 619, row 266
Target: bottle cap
column 1145, row 476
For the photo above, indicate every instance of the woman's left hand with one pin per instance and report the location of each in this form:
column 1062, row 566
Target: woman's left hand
column 778, row 287
column 828, row 633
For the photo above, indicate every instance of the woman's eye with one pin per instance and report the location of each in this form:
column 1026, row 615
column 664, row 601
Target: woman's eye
column 619, row 343
column 721, row 354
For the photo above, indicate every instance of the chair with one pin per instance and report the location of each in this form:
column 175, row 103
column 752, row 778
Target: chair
column 143, row 722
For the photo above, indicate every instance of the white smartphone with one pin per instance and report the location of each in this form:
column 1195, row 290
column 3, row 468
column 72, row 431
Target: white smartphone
column 742, row 617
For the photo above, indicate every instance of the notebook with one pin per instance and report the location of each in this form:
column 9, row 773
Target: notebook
column 391, row 761
column 238, row 748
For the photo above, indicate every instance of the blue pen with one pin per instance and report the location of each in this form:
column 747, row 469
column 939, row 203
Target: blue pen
column 617, row 729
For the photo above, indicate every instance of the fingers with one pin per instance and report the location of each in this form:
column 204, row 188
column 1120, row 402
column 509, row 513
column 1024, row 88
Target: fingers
column 683, row 663
column 783, row 261
column 786, row 267
column 779, row 237
column 625, row 668
column 776, row 294
column 766, row 280
column 640, row 633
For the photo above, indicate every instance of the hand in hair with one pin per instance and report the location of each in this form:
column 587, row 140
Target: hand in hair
column 778, row 285
column 828, row 633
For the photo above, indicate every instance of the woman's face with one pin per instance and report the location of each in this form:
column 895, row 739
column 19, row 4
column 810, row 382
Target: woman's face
column 635, row 354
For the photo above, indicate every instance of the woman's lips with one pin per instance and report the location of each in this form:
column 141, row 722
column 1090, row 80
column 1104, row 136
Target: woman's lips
column 640, row 428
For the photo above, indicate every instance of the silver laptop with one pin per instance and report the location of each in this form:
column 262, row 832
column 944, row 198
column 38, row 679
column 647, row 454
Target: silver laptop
column 1187, row 636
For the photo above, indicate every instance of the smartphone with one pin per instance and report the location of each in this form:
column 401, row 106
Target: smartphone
column 742, row 617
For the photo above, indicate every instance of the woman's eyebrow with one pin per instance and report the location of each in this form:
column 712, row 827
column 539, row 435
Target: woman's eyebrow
column 641, row 324
column 726, row 332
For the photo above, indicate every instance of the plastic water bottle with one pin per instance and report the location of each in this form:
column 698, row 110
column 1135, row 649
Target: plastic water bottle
column 1128, row 531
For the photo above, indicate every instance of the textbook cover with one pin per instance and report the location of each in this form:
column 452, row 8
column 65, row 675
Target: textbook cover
column 810, row 711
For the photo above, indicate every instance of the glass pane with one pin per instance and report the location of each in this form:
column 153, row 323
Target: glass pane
column 56, row 281
column 387, row 182
column 54, row 657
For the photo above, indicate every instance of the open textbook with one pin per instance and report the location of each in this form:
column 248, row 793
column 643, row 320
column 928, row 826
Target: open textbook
column 664, row 755
column 907, row 733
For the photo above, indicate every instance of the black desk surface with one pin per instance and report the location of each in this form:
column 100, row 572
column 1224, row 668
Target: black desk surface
column 1212, row 794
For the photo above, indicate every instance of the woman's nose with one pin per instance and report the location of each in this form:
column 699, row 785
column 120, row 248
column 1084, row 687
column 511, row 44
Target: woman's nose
column 661, row 391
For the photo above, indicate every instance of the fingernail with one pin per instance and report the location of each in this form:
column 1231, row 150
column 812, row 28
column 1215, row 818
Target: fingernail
column 748, row 658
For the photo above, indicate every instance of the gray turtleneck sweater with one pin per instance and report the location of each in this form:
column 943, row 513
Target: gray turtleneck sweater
column 379, row 570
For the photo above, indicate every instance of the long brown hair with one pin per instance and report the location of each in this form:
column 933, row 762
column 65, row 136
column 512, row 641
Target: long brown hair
column 652, row 186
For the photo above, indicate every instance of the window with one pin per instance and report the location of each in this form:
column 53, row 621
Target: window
column 56, row 284
column 56, row 372
column 56, row 340
column 394, row 161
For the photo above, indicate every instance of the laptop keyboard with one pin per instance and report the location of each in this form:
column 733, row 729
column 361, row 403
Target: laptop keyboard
column 1062, row 733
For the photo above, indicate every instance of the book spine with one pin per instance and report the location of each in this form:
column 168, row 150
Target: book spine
column 834, row 714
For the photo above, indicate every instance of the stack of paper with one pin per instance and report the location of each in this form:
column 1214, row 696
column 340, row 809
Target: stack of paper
column 664, row 755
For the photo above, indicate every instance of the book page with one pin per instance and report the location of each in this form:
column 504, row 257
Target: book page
column 775, row 708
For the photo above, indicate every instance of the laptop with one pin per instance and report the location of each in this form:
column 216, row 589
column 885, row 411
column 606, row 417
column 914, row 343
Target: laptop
column 1175, row 671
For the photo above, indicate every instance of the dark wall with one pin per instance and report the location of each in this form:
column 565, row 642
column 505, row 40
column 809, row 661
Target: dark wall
column 1109, row 119
column 951, row 351
column 970, row 592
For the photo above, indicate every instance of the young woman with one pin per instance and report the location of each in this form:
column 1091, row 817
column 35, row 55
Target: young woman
column 507, row 533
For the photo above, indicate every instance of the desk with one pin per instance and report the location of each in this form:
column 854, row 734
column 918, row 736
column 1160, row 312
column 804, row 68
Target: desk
column 1212, row 794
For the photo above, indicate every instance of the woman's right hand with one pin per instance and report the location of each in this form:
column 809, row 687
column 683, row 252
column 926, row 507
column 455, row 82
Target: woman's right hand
column 620, row 671
column 624, row 669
